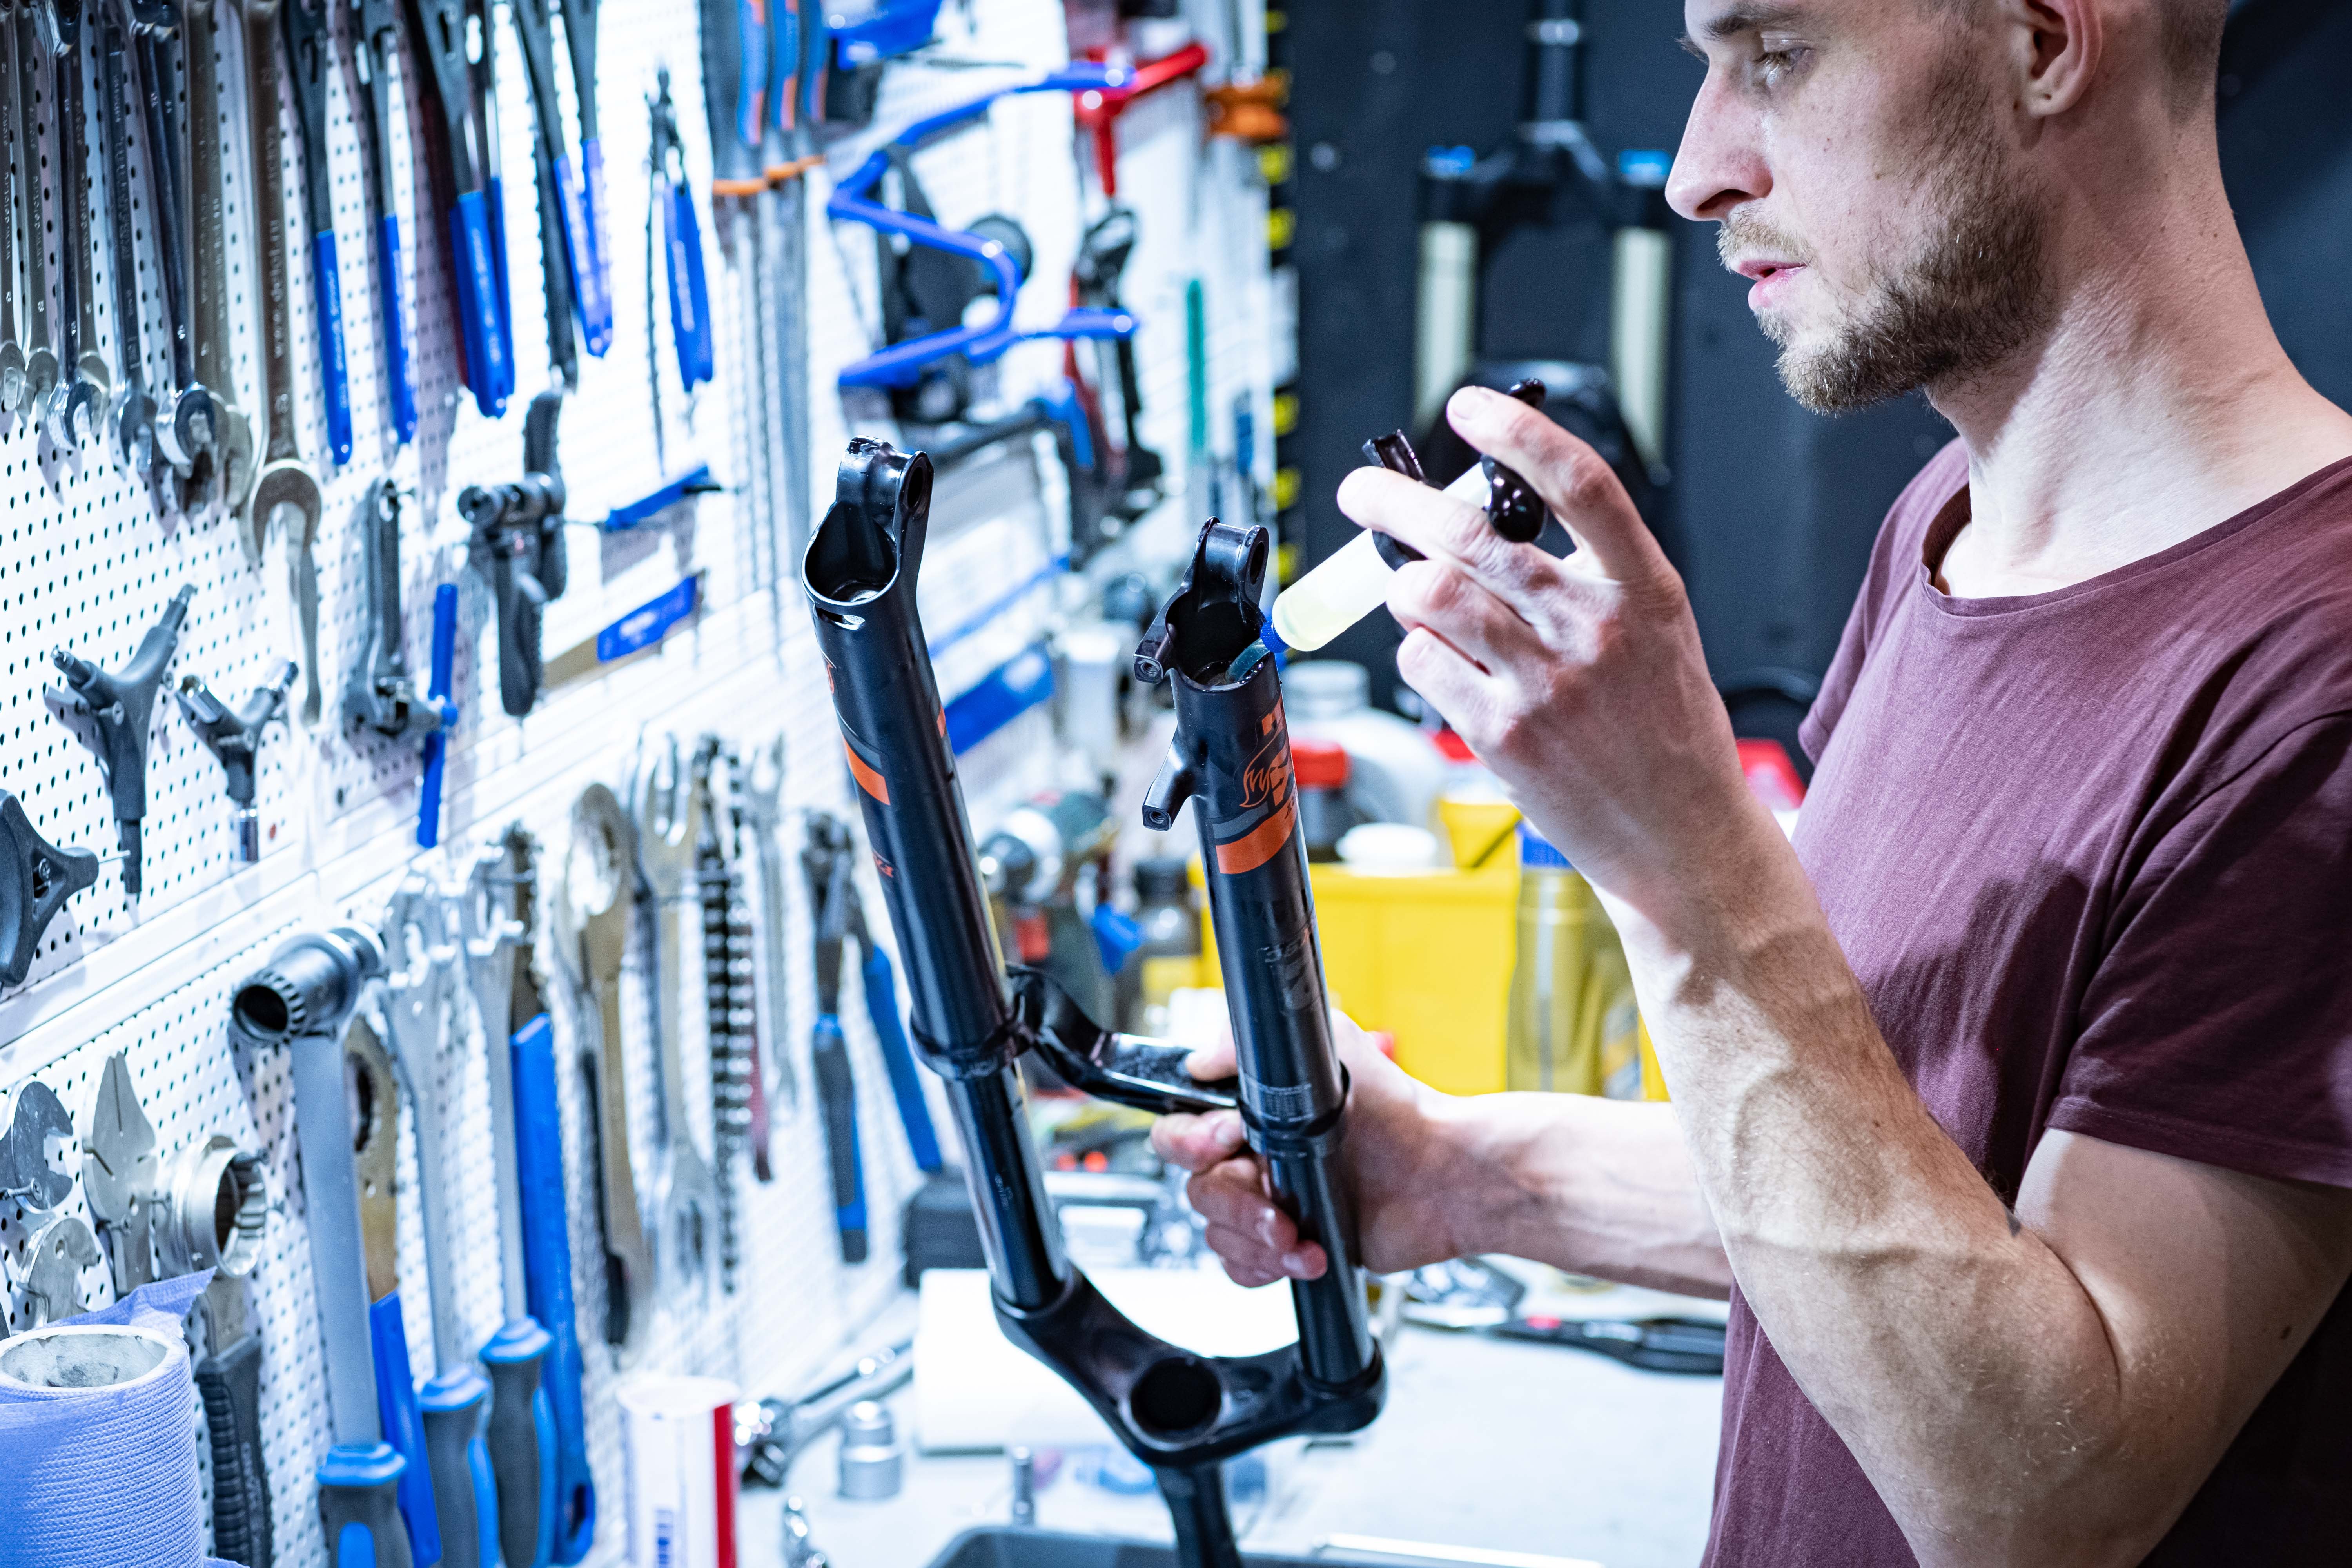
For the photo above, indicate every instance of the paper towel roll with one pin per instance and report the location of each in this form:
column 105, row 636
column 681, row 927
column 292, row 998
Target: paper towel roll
column 99, row 1425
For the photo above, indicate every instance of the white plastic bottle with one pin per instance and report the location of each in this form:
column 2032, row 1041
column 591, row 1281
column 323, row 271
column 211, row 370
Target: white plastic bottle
column 1350, row 583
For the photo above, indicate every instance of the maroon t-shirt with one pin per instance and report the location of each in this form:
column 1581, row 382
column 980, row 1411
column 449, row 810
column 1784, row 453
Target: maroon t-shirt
column 2090, row 855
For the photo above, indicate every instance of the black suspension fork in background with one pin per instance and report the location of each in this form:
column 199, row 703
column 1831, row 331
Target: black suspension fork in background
column 1181, row 1414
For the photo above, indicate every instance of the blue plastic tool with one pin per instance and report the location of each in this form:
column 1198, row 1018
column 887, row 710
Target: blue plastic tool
column 696, row 480
column 547, row 1264
column 1008, row 691
column 881, row 983
column 438, row 34
column 437, row 745
column 404, row 1428
column 901, row 365
column 309, row 50
column 649, row 622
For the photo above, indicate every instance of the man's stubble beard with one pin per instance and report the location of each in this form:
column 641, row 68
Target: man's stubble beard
column 1956, row 311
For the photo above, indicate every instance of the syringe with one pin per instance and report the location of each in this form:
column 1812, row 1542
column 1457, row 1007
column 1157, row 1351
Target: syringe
column 1354, row 580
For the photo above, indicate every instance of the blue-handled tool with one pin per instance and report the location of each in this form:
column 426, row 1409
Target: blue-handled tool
column 494, row 185
column 881, row 983
column 695, row 481
column 374, row 52
column 438, row 33
column 827, row 861
column 424, row 953
column 547, row 1255
column 376, row 1146
column 309, row 51
column 590, row 302
column 580, row 39
column 681, row 241
column 437, row 745
column 530, row 1461
column 304, row 999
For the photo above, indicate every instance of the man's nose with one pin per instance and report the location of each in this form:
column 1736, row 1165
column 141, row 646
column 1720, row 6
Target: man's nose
column 1721, row 161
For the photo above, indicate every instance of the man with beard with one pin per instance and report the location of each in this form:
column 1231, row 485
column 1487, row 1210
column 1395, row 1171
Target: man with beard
column 2012, row 1105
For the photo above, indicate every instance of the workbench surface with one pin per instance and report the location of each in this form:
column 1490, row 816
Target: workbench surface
column 1484, row 1443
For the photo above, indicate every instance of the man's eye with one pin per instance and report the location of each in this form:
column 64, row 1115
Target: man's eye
column 1772, row 66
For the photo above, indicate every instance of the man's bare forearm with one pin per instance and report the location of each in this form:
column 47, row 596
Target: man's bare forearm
column 1596, row 1186
column 1953, row 1351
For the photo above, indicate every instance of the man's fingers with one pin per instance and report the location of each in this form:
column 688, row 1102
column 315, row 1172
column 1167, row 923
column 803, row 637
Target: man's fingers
column 1212, row 1062
column 1573, row 480
column 1233, row 1195
column 1447, row 600
column 1197, row 1142
column 1445, row 529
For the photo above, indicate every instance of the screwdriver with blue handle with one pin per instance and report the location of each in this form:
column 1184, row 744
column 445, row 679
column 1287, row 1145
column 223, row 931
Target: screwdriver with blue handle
column 304, row 1000
column 547, row 1495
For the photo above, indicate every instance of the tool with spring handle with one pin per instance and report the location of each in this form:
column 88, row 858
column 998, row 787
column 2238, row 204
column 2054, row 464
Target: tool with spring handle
column 309, row 53
column 373, row 53
column 681, row 241
column 437, row 28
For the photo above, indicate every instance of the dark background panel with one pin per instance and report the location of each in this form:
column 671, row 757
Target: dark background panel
column 1775, row 508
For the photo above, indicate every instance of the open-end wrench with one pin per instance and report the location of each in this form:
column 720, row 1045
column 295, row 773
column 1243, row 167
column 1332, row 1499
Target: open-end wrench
column 424, row 952
column 12, row 233
column 596, row 919
column 667, row 819
column 285, row 481
column 233, row 448
column 760, row 788
column 310, row 55
column 375, row 52
column 36, row 28
column 130, row 414
column 183, row 424
column 77, row 405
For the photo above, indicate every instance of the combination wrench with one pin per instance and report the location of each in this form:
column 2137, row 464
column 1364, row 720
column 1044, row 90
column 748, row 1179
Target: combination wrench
column 79, row 405
column 183, row 427
column 667, row 819
column 12, row 235
column 373, row 53
column 596, row 942
column 285, row 481
column 131, row 415
column 232, row 430
column 32, row 48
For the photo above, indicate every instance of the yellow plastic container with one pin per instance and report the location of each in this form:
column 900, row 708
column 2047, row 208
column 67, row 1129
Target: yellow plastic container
column 1425, row 959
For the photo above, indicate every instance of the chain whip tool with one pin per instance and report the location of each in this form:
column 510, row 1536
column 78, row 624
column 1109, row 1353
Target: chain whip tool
column 732, row 1046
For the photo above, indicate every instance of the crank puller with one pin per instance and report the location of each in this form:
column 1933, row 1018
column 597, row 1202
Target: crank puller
column 232, row 735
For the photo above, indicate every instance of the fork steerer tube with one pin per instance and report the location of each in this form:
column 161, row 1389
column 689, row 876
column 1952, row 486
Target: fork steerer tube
column 1181, row 1414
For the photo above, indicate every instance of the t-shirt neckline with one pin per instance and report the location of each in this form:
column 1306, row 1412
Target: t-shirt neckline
column 1953, row 515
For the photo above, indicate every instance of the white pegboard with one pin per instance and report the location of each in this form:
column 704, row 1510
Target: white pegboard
column 87, row 557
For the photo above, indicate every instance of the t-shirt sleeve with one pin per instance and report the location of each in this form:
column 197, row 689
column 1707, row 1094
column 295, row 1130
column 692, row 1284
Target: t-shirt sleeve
column 2218, row 1026
column 1890, row 561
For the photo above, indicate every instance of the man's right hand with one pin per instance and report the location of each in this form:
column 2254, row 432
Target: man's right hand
column 1394, row 1156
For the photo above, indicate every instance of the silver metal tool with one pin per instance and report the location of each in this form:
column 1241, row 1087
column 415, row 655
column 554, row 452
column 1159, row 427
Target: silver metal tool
column 33, row 51
column 594, row 915
column 37, row 1128
column 731, row 1039
column 490, row 937
column 12, row 231
column 213, row 1206
column 183, row 428
column 380, row 693
column 233, row 466
column 762, row 791
column 284, row 481
column 77, row 407
column 54, row 1260
column 423, row 978
column 130, row 414
column 686, row 1194
column 119, row 1175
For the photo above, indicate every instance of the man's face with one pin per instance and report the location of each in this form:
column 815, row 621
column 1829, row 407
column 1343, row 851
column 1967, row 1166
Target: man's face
column 1856, row 154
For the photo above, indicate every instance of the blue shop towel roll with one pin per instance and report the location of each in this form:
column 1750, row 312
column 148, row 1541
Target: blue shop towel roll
column 98, row 1420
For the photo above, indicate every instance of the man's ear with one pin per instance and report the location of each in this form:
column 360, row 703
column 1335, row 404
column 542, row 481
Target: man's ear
column 2054, row 48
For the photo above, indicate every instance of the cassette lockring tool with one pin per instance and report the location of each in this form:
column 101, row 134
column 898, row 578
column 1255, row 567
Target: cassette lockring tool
column 1181, row 1414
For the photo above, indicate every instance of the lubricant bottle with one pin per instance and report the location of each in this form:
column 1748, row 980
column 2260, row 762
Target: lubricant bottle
column 1573, row 1024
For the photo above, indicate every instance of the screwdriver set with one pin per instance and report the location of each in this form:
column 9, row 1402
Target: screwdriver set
column 406, row 420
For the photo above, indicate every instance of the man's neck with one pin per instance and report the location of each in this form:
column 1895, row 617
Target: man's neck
column 2158, row 405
